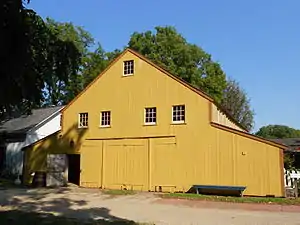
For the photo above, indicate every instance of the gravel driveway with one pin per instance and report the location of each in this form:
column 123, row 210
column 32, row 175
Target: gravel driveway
column 143, row 207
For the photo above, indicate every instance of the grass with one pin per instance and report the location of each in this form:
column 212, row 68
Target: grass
column 118, row 192
column 258, row 200
column 16, row 217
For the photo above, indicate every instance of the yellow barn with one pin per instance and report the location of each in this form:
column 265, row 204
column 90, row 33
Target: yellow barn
column 137, row 126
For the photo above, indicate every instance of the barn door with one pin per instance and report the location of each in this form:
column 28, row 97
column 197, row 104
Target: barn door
column 56, row 170
column 91, row 164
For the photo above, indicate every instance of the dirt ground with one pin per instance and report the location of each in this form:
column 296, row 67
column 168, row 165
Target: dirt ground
column 143, row 207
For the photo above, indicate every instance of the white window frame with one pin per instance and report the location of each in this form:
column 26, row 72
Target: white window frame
column 178, row 121
column 129, row 74
column 145, row 114
column 79, row 122
column 105, row 111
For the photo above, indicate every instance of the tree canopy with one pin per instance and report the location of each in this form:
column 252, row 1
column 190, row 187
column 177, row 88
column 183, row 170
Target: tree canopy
column 278, row 131
column 236, row 102
column 49, row 62
column 31, row 56
column 169, row 49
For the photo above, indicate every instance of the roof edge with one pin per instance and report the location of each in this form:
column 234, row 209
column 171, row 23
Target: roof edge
column 248, row 135
column 95, row 79
column 40, row 140
column 178, row 79
column 183, row 82
column 45, row 120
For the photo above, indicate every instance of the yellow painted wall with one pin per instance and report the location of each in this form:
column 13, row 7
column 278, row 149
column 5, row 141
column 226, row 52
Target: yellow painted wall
column 91, row 155
column 193, row 153
column 219, row 117
column 242, row 161
column 35, row 156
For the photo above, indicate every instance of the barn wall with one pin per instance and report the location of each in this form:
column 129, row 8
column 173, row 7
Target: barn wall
column 175, row 156
column 221, row 118
column 246, row 162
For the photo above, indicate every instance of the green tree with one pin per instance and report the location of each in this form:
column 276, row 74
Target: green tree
column 167, row 48
column 236, row 102
column 61, row 91
column 30, row 55
column 95, row 63
column 278, row 131
column 91, row 65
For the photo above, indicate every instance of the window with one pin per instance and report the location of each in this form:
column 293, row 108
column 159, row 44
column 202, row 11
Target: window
column 178, row 114
column 150, row 115
column 128, row 67
column 105, row 119
column 83, row 120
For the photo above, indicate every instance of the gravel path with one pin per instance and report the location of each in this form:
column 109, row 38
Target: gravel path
column 144, row 207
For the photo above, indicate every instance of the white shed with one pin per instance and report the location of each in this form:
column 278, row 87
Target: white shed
column 25, row 130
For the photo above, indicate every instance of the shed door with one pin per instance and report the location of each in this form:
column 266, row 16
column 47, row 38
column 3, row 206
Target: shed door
column 56, row 168
column 126, row 164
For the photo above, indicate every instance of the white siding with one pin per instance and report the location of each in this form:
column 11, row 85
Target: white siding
column 14, row 155
column 45, row 130
column 14, row 158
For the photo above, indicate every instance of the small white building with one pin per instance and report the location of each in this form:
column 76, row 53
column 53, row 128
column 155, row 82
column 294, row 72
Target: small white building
column 25, row 130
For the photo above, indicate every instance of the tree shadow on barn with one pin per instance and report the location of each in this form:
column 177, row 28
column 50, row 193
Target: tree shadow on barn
column 28, row 205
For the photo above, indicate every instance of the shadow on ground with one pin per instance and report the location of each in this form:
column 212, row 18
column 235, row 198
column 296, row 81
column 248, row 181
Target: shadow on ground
column 18, row 217
column 33, row 206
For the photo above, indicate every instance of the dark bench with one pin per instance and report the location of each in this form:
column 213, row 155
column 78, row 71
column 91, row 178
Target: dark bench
column 238, row 189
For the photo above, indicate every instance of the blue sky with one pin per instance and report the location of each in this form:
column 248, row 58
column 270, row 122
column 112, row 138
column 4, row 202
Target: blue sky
column 256, row 42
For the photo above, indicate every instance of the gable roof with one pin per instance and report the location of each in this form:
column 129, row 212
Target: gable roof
column 186, row 84
column 178, row 79
column 24, row 123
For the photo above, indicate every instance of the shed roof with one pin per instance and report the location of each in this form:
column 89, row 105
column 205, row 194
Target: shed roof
column 24, row 123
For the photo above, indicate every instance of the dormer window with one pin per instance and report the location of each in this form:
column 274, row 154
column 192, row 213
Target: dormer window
column 128, row 68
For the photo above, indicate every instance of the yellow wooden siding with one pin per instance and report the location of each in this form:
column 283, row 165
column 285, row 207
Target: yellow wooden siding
column 35, row 158
column 126, row 164
column 221, row 118
column 201, row 154
column 243, row 161
column 91, row 164
column 164, row 158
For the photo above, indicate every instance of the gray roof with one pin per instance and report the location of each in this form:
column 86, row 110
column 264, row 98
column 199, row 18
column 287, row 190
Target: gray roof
column 26, row 122
column 288, row 141
column 292, row 143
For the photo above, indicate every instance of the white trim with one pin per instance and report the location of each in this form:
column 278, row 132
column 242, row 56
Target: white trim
column 79, row 126
column 179, row 121
column 129, row 74
column 104, row 126
column 150, row 123
column 100, row 119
